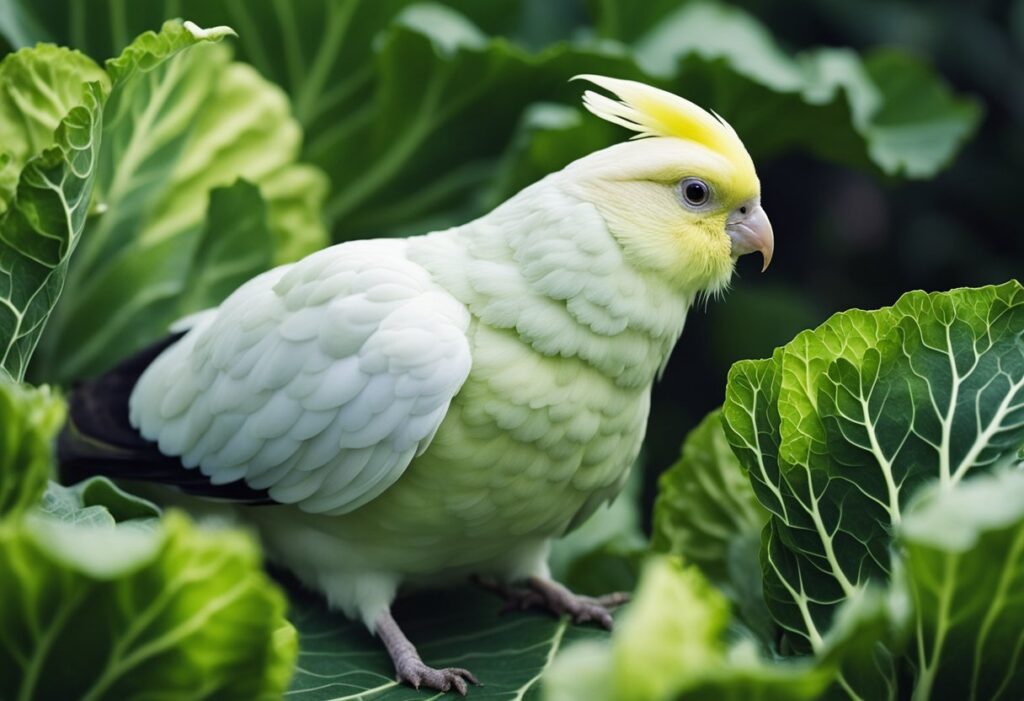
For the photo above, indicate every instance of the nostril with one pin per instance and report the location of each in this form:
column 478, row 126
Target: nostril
column 743, row 210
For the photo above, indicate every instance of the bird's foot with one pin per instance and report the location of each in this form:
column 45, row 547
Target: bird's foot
column 409, row 666
column 411, row 670
column 549, row 595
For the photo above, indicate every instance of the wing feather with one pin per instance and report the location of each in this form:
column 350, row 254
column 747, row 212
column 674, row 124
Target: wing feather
column 319, row 382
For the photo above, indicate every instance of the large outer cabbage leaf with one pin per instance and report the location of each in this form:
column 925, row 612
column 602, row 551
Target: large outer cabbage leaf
column 38, row 88
column 339, row 659
column 45, row 215
column 95, row 608
column 179, row 124
column 29, row 418
column 840, row 426
column 50, row 110
column 963, row 555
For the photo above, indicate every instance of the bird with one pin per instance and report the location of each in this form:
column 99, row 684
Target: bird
column 393, row 413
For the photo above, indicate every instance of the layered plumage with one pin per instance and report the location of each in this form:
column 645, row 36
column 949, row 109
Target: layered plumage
column 425, row 408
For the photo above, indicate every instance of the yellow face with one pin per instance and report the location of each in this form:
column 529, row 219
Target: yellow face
column 684, row 203
column 677, row 208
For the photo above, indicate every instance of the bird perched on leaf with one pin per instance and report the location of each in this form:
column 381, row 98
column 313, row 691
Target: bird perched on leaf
column 408, row 412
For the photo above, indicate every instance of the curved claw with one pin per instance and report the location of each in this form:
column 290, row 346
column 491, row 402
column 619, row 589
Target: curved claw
column 414, row 672
column 551, row 596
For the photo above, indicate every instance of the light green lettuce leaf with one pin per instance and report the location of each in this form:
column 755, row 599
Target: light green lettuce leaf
column 97, row 502
column 673, row 642
column 29, row 419
column 50, row 110
column 150, row 285
column 38, row 88
column 180, row 123
column 842, row 424
column 99, row 608
column 963, row 556
column 705, row 502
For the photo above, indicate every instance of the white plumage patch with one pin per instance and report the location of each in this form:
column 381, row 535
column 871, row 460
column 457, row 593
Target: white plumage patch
column 319, row 381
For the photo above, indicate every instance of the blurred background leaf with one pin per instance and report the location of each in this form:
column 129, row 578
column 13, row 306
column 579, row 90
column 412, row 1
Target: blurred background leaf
column 29, row 419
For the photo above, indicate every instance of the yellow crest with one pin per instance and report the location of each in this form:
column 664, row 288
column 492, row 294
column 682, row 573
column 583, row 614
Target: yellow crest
column 653, row 112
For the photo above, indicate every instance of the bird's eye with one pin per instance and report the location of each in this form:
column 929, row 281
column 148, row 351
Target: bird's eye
column 695, row 192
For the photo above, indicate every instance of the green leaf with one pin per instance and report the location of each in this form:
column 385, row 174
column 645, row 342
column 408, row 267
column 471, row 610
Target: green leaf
column 40, row 87
column 548, row 137
column 29, row 419
column 963, row 554
column 888, row 108
column 170, row 279
column 439, row 75
column 96, row 610
column 672, row 642
column 843, row 423
column 183, row 120
column 98, row 502
column 705, row 502
column 50, row 110
column 338, row 659
column 706, row 512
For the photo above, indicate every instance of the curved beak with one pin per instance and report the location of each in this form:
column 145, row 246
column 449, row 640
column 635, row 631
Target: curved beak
column 751, row 232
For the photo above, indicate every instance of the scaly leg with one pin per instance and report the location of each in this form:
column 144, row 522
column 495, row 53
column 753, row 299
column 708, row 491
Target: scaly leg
column 549, row 595
column 409, row 666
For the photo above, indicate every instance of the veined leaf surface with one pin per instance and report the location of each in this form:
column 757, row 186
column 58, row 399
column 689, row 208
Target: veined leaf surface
column 964, row 561
column 102, row 601
column 50, row 118
column 179, row 124
column 843, row 423
column 339, row 660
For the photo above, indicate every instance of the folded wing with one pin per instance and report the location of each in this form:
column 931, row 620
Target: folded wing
column 318, row 382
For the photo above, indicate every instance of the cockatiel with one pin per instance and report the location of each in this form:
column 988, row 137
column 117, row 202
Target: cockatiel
column 408, row 412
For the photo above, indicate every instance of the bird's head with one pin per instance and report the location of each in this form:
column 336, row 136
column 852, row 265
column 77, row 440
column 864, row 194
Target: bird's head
column 681, row 197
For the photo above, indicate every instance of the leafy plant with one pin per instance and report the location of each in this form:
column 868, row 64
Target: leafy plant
column 673, row 643
column 964, row 558
column 104, row 601
column 101, row 599
column 178, row 125
column 885, row 446
column 51, row 118
column 29, row 419
column 706, row 512
column 380, row 88
column 840, row 426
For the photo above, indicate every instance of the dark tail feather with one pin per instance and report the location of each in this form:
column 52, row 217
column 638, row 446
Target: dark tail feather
column 98, row 439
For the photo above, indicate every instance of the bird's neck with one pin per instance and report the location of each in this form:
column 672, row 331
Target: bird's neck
column 543, row 266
